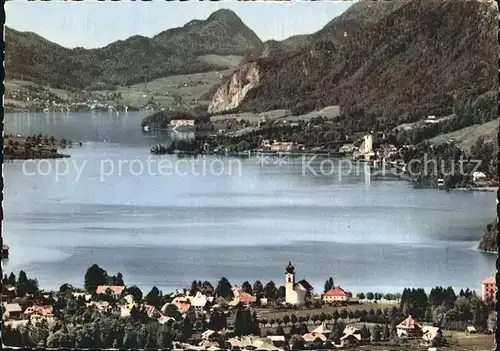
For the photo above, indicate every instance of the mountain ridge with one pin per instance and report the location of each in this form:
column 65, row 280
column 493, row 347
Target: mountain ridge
column 416, row 59
column 29, row 56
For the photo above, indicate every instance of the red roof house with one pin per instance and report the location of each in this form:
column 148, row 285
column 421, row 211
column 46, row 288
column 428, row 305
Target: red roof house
column 116, row 289
column 335, row 294
column 409, row 327
column 247, row 298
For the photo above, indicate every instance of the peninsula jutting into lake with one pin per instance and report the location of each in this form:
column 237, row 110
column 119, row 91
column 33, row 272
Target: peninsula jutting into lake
column 326, row 185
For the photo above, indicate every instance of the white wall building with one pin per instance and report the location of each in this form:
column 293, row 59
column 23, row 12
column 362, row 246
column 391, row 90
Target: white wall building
column 296, row 293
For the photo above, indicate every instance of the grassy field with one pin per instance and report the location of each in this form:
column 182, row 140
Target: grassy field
column 470, row 342
column 466, row 137
column 231, row 61
column 184, row 88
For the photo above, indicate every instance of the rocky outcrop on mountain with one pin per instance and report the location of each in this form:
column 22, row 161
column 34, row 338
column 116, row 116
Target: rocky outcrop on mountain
column 136, row 59
column 411, row 59
column 233, row 91
column 489, row 241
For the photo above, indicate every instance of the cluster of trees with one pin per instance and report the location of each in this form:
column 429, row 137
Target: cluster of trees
column 245, row 322
column 96, row 276
column 427, row 163
column 23, row 284
column 318, row 130
column 466, row 112
column 329, row 284
column 385, row 315
column 79, row 326
column 269, row 291
column 445, row 309
column 377, row 296
column 161, row 119
column 191, row 145
column 205, row 287
column 484, row 152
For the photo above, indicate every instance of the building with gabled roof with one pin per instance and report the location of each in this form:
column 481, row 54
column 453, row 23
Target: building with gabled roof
column 242, row 297
column 312, row 337
column 199, row 300
column 409, row 328
column 350, row 336
column 296, row 293
column 322, row 329
column 115, row 289
column 335, row 294
column 13, row 310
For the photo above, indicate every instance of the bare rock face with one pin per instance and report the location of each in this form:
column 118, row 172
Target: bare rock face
column 489, row 240
column 231, row 93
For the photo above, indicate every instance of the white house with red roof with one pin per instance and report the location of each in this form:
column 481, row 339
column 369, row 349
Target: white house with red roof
column 409, row 328
column 489, row 288
column 335, row 294
column 296, row 293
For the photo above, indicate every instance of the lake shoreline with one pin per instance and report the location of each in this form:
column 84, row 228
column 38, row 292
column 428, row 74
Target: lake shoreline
column 19, row 147
column 268, row 205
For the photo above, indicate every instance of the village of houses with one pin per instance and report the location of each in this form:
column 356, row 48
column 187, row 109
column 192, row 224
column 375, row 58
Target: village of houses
column 300, row 299
column 384, row 158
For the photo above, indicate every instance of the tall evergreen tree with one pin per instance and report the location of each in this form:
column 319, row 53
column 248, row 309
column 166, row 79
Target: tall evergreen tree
column 224, row 289
column 270, row 291
column 154, row 297
column 246, row 287
column 258, row 288
column 94, row 277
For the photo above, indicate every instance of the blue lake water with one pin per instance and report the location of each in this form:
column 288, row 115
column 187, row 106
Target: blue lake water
column 180, row 220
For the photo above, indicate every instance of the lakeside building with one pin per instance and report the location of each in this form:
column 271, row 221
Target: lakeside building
column 296, row 293
column 285, row 146
column 478, row 176
column 348, row 148
column 489, row 288
column 365, row 150
column 431, row 119
column 182, row 122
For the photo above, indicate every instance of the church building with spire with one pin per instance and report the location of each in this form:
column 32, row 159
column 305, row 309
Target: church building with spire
column 296, row 293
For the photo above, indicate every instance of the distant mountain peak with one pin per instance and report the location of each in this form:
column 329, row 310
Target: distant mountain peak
column 224, row 15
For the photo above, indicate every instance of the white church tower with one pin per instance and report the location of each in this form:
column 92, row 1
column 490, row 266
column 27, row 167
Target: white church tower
column 290, row 294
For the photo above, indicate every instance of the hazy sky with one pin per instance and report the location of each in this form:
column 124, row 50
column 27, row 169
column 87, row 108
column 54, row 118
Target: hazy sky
column 91, row 24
